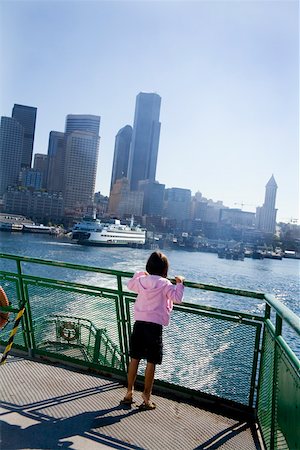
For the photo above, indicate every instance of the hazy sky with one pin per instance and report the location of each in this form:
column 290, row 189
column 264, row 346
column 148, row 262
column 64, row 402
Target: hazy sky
column 227, row 72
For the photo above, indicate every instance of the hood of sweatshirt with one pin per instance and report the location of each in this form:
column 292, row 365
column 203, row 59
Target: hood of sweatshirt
column 152, row 283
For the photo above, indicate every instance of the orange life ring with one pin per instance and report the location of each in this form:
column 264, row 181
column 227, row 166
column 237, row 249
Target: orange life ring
column 3, row 302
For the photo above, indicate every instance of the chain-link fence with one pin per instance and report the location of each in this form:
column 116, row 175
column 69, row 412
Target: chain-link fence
column 209, row 352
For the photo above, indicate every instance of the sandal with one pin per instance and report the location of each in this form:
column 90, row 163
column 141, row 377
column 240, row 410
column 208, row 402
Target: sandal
column 147, row 406
column 126, row 401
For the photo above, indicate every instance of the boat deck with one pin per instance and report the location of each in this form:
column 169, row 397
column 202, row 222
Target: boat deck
column 47, row 406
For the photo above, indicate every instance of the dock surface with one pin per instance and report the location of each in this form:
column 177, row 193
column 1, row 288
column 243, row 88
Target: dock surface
column 45, row 406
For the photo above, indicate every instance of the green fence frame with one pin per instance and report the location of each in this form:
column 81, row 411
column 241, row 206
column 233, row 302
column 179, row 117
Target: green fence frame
column 274, row 391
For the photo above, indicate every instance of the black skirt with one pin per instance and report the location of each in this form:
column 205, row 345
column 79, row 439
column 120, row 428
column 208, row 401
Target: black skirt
column 146, row 342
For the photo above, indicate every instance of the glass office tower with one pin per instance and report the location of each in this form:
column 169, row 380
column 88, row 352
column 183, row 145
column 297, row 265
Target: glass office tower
column 26, row 116
column 11, row 148
column 145, row 139
column 121, row 154
column 81, row 159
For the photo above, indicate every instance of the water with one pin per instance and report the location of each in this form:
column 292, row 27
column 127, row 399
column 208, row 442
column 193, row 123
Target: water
column 277, row 277
column 280, row 278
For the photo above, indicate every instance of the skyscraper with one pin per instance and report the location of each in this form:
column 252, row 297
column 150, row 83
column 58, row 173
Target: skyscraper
column 56, row 161
column 82, row 122
column 145, row 139
column 121, row 154
column 266, row 215
column 178, row 204
column 81, row 157
column 26, row 116
column 11, row 148
column 123, row 201
column 40, row 164
column 153, row 197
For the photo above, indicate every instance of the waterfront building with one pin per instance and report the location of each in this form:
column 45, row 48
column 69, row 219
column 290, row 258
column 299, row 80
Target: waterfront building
column 205, row 209
column 266, row 214
column 123, row 201
column 81, row 158
column 38, row 205
column 177, row 204
column 56, row 161
column 121, row 154
column 145, row 139
column 40, row 164
column 11, row 148
column 26, row 116
column 237, row 218
column 153, row 197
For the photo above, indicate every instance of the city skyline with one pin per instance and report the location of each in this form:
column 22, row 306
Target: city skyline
column 229, row 98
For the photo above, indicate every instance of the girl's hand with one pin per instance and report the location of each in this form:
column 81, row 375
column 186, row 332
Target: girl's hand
column 179, row 279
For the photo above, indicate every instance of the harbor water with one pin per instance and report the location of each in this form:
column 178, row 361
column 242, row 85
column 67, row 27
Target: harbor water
column 277, row 277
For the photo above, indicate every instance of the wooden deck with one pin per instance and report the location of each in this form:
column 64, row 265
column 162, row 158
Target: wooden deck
column 46, row 406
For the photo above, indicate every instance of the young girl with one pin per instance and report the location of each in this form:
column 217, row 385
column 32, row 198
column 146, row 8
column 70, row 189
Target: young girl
column 152, row 309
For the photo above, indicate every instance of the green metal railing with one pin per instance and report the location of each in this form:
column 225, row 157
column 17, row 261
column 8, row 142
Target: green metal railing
column 235, row 358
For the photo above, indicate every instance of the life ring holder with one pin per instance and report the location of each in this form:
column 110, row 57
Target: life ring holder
column 69, row 331
column 3, row 302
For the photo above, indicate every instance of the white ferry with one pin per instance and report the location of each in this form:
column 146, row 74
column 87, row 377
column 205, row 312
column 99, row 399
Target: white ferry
column 33, row 228
column 92, row 231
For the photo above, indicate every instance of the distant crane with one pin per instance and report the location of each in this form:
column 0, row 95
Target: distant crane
column 242, row 204
column 292, row 220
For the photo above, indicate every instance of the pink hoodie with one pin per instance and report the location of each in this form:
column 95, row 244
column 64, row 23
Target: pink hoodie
column 155, row 298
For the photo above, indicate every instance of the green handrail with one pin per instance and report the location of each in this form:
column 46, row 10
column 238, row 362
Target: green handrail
column 284, row 312
column 271, row 355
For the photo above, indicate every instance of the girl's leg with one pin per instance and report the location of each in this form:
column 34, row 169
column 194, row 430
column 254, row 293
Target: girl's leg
column 131, row 377
column 149, row 379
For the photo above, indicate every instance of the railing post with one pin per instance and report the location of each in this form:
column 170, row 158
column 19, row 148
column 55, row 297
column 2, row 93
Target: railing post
column 97, row 346
column 123, row 321
column 27, row 323
column 278, row 331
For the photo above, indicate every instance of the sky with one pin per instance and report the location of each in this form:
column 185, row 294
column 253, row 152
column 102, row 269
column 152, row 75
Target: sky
column 227, row 73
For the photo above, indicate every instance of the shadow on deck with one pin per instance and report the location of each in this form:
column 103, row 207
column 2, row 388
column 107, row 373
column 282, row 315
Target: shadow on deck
column 46, row 406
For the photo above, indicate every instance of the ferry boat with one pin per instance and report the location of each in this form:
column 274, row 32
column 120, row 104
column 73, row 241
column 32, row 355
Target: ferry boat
column 92, row 231
column 34, row 228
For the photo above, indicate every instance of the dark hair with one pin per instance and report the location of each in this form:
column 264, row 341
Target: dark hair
column 158, row 264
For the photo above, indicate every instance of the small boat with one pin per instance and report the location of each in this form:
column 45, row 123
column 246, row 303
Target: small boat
column 257, row 254
column 273, row 255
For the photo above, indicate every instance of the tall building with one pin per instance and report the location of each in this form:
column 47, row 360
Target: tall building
column 123, row 202
column 40, row 164
column 266, row 215
column 178, row 204
column 121, row 154
column 56, row 161
column 81, row 158
column 82, row 122
column 30, row 178
column 153, row 197
column 145, row 139
column 26, row 116
column 11, row 148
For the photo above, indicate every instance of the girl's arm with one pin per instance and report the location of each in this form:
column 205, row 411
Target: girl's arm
column 175, row 293
column 133, row 284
